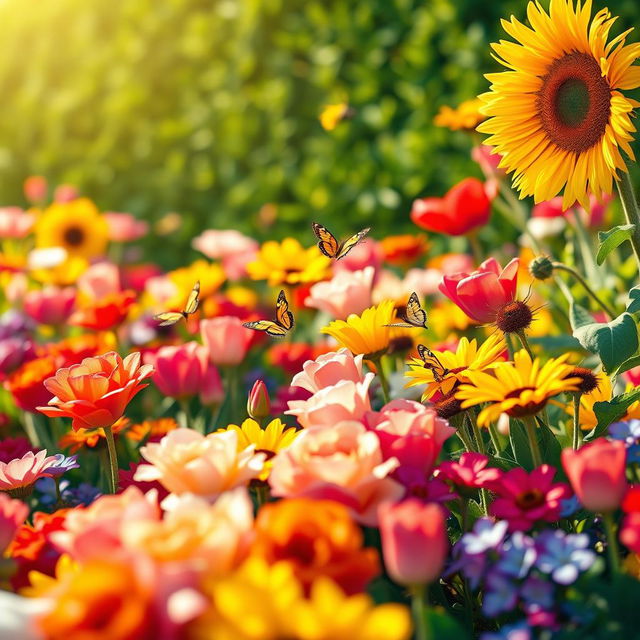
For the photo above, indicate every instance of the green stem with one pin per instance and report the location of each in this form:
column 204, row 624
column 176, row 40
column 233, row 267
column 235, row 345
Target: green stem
column 31, row 430
column 601, row 303
column 476, row 434
column 419, row 609
column 575, row 435
column 630, row 208
column 495, row 438
column 612, row 543
column 476, row 249
column 524, row 342
column 530, row 424
column 463, row 434
column 384, row 383
column 464, row 514
column 113, row 459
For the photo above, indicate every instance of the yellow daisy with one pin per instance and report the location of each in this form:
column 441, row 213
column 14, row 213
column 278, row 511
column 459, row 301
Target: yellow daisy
column 279, row 609
column 557, row 116
column 275, row 437
column 210, row 275
column 467, row 357
column 365, row 334
column 520, row 388
column 76, row 226
column 288, row 262
column 466, row 116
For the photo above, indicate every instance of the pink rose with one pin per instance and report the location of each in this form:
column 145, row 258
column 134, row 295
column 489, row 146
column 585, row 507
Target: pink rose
column 329, row 369
column 15, row 223
column 346, row 293
column 234, row 249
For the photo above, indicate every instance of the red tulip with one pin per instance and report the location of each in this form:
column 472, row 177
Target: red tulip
column 463, row 208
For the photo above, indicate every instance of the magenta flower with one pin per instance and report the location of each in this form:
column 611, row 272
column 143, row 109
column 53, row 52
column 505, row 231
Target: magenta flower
column 470, row 471
column 526, row 498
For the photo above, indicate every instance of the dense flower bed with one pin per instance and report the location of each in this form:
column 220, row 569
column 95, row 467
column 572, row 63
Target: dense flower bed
column 327, row 439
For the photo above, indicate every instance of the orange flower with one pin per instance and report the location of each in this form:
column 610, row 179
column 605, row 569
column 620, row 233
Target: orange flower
column 74, row 349
column 405, row 249
column 96, row 393
column 151, row 429
column 318, row 538
column 76, row 440
column 105, row 313
column 26, row 384
column 103, row 600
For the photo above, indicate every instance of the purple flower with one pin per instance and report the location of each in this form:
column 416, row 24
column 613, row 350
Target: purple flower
column 14, row 323
column 62, row 465
column 518, row 631
column 84, row 494
column 501, row 594
column 517, row 557
column 537, row 593
column 629, row 433
column 563, row 556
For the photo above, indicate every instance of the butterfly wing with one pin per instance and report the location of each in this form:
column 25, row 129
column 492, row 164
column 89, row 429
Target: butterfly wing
column 268, row 326
column 432, row 362
column 168, row 318
column 327, row 242
column 348, row 244
column 415, row 314
column 194, row 299
column 284, row 317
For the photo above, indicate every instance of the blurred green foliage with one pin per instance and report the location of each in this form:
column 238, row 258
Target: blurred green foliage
column 210, row 107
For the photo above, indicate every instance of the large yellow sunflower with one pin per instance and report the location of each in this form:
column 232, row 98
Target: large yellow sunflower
column 520, row 388
column 76, row 226
column 467, row 357
column 558, row 116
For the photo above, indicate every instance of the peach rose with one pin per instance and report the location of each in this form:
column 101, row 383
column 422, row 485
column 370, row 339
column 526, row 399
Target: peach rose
column 342, row 463
column 328, row 369
column 345, row 400
column 346, row 293
column 185, row 461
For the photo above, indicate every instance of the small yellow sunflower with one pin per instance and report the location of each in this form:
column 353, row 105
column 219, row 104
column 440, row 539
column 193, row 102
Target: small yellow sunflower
column 467, row 357
column 210, row 275
column 466, row 116
column 365, row 334
column 520, row 388
column 288, row 262
column 557, row 116
column 275, row 437
column 333, row 114
column 76, row 226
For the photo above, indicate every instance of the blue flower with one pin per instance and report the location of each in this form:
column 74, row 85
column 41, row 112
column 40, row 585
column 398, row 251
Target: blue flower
column 518, row 631
column 62, row 465
column 563, row 556
column 629, row 433
column 569, row 506
column 501, row 595
column 517, row 557
column 537, row 592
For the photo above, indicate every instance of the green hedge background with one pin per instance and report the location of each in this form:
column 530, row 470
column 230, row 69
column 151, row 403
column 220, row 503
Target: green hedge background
column 210, row 108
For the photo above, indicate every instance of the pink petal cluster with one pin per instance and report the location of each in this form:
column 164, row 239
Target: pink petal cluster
column 470, row 471
column 597, row 473
column 328, row 369
column 124, row 227
column 184, row 371
column 186, row 461
column 15, row 223
column 50, row 305
column 346, row 293
column 343, row 463
column 414, row 541
column 226, row 339
column 523, row 499
column 233, row 248
column 21, row 473
column 484, row 292
column 12, row 514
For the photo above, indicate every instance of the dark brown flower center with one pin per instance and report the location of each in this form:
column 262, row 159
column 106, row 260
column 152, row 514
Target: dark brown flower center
column 574, row 102
column 74, row 236
column 530, row 499
column 448, row 407
column 522, row 410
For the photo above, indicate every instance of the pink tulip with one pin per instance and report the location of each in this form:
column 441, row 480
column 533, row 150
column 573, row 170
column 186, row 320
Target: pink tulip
column 597, row 474
column 484, row 292
column 328, row 369
column 50, row 305
column 346, row 400
column 183, row 371
column 342, row 463
column 414, row 541
column 226, row 339
column 35, row 188
column 124, row 227
column 100, row 280
column 12, row 514
column 410, row 432
column 258, row 403
column 488, row 161
column 346, row 293
column 65, row 193
column 15, row 223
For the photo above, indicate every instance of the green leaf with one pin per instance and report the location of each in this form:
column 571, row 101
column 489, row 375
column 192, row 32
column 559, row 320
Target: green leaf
column 579, row 317
column 613, row 238
column 609, row 411
column 520, row 444
column 443, row 625
column 633, row 306
column 614, row 342
column 632, row 362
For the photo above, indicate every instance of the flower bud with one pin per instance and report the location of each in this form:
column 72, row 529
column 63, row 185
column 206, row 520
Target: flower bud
column 541, row 267
column 258, row 403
